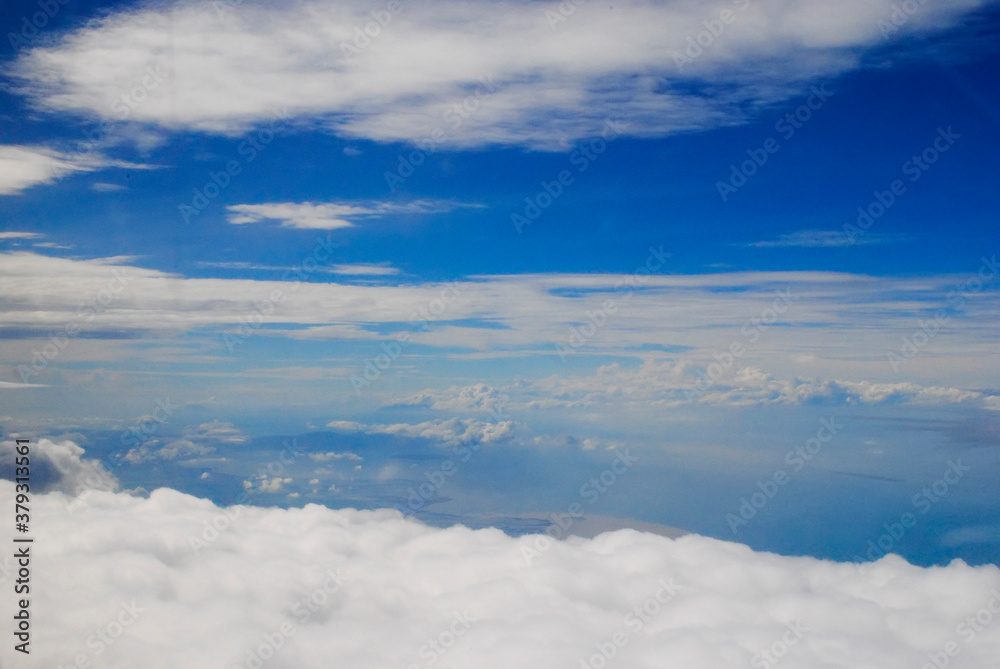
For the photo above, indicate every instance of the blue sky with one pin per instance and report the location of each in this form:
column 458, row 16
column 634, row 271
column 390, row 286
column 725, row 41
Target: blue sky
column 262, row 275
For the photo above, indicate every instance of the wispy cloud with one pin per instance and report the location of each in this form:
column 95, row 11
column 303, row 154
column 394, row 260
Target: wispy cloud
column 102, row 187
column 19, row 235
column 827, row 239
column 332, row 215
column 365, row 270
column 22, row 167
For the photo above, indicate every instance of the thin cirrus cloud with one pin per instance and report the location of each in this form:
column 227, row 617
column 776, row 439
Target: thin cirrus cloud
column 23, row 167
column 333, row 215
column 838, row 325
column 13, row 234
column 361, row 269
column 827, row 239
column 352, row 269
column 524, row 79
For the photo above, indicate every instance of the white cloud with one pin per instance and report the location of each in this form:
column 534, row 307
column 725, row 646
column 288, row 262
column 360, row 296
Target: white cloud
column 332, row 215
column 551, row 84
column 364, row 270
column 665, row 382
column 370, row 589
column 827, row 239
column 305, row 215
column 451, row 431
column 102, row 187
column 477, row 397
column 58, row 466
column 332, row 455
column 22, row 167
column 216, row 431
column 198, row 441
column 19, row 235
column 838, row 326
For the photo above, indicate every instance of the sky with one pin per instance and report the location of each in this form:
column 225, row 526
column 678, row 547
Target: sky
column 719, row 268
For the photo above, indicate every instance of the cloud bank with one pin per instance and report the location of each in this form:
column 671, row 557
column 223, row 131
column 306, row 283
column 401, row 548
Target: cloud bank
column 794, row 326
column 173, row 580
column 460, row 73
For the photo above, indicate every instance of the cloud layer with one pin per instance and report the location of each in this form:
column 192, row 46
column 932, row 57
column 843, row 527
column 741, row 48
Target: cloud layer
column 459, row 73
column 173, row 580
column 802, row 328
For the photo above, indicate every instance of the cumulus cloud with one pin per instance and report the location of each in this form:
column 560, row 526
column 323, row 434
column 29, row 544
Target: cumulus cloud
column 528, row 79
column 58, row 466
column 477, row 397
column 22, row 167
column 449, row 432
column 666, row 382
column 197, row 441
column 170, row 580
column 267, row 485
